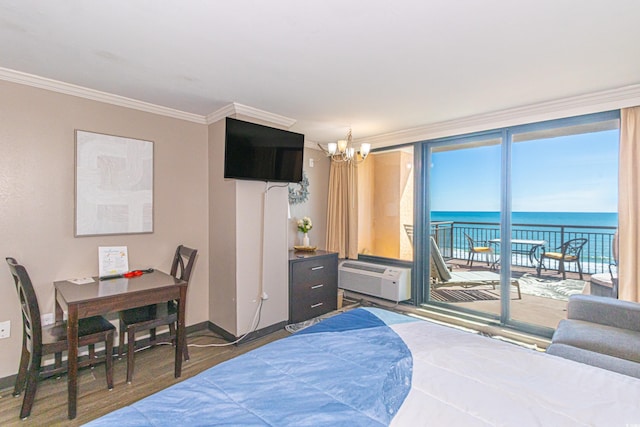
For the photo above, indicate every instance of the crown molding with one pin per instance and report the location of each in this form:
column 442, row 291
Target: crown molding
column 226, row 111
column 95, row 95
column 613, row 99
column 311, row 145
column 245, row 110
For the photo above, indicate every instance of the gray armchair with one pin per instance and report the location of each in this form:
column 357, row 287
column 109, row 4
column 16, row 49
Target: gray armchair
column 602, row 332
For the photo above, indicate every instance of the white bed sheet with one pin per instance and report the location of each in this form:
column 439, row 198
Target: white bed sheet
column 464, row 379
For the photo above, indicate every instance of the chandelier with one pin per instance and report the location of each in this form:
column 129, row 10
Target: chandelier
column 343, row 150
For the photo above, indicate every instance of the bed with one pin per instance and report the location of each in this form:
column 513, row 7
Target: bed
column 372, row 367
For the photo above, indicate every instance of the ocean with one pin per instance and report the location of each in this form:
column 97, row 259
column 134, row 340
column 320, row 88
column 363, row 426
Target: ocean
column 597, row 219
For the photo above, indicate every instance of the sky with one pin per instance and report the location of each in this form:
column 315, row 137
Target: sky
column 576, row 173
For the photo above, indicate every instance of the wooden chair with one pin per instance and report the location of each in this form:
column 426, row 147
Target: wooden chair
column 38, row 341
column 570, row 251
column 153, row 316
column 473, row 249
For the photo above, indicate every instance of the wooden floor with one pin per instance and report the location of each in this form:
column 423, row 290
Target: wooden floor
column 153, row 372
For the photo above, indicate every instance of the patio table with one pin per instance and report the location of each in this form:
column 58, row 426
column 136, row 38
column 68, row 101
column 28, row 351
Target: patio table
column 522, row 246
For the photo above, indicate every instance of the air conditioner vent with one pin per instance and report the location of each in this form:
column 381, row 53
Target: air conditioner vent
column 365, row 267
column 382, row 281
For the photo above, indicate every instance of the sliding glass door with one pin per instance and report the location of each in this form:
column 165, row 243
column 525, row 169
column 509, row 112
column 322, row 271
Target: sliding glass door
column 517, row 220
column 564, row 197
column 464, row 222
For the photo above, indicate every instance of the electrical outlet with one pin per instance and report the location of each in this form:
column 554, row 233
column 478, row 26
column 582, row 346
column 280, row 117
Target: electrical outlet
column 5, row 329
column 47, row 319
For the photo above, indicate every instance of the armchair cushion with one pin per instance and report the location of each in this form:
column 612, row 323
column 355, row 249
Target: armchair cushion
column 600, row 331
column 605, row 311
column 616, row 342
column 558, row 255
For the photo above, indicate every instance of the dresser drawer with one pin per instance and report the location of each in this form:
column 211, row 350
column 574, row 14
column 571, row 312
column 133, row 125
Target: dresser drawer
column 308, row 308
column 313, row 271
column 314, row 296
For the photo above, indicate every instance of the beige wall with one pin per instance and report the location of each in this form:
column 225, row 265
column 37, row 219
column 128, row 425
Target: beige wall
column 222, row 234
column 37, row 198
column 316, row 205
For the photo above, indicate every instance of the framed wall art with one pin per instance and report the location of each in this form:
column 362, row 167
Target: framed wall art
column 114, row 185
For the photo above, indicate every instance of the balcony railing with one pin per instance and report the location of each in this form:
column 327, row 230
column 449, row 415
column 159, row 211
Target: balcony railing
column 596, row 254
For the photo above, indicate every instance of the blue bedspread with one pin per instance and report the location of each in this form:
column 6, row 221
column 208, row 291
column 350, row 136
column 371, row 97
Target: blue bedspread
column 350, row 369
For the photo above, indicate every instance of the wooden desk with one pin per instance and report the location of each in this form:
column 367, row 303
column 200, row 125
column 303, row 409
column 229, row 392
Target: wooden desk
column 101, row 297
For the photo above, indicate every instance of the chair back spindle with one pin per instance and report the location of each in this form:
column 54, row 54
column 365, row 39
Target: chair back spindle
column 31, row 323
column 179, row 269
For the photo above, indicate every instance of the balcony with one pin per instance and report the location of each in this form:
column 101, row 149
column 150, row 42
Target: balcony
column 596, row 255
column 544, row 298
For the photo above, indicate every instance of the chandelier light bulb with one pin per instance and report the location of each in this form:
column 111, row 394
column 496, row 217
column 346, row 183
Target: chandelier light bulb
column 342, row 145
column 332, row 147
column 350, row 152
column 364, row 150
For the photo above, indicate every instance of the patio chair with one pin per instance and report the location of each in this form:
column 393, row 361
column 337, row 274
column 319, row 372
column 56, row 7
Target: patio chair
column 473, row 249
column 606, row 284
column 570, row 251
column 441, row 276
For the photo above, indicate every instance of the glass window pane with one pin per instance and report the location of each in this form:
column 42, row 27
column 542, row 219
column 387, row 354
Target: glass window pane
column 385, row 204
column 464, row 191
column 565, row 195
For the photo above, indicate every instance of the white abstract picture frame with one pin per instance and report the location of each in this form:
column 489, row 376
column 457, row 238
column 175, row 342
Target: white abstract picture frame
column 114, row 185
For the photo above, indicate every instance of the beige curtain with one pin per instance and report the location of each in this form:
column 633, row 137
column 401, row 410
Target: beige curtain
column 342, row 210
column 629, row 206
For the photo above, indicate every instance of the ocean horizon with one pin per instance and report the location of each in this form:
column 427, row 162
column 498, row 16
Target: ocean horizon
column 592, row 219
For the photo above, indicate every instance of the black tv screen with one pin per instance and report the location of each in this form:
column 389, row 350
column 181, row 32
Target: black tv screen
column 262, row 153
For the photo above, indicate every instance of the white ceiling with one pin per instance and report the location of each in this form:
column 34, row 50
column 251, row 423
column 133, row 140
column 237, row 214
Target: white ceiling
column 378, row 66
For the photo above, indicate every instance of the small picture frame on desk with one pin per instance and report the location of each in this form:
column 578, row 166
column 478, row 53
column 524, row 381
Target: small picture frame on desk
column 112, row 260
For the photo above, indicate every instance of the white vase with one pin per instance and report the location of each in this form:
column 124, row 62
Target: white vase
column 305, row 240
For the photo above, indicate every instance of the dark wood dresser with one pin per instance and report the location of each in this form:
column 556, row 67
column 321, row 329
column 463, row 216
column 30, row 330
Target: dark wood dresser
column 313, row 284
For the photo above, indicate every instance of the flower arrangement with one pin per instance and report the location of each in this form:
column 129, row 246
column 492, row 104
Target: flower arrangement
column 305, row 224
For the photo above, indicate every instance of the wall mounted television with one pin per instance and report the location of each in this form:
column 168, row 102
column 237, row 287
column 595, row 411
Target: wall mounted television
column 261, row 153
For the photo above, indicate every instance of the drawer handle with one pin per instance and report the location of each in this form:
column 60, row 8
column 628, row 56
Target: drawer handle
column 320, row 267
column 317, row 286
column 317, row 305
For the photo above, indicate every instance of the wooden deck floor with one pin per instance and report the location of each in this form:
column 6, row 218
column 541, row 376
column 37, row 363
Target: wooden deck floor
column 530, row 309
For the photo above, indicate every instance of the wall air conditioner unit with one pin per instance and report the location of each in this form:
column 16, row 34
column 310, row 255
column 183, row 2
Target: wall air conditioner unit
column 382, row 281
